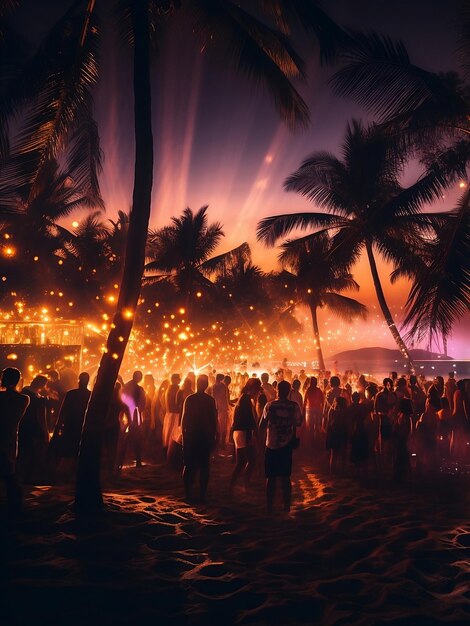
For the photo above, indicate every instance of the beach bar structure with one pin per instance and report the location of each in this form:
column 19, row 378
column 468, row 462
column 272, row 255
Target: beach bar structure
column 35, row 347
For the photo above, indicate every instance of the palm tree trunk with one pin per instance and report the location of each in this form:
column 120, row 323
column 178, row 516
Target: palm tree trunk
column 88, row 497
column 385, row 310
column 316, row 334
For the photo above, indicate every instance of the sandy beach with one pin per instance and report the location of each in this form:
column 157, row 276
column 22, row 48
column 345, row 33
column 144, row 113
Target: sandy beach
column 346, row 554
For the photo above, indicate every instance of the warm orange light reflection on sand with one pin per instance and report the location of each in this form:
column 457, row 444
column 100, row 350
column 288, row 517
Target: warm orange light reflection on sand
column 311, row 488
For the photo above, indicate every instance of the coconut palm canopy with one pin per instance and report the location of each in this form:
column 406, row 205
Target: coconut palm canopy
column 366, row 206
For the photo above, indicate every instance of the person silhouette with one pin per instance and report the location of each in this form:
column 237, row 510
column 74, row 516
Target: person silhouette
column 70, row 423
column 282, row 417
column 33, row 436
column 199, row 427
column 12, row 409
column 133, row 394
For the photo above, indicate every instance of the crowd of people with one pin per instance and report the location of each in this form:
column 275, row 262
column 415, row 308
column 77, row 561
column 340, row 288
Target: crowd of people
column 403, row 425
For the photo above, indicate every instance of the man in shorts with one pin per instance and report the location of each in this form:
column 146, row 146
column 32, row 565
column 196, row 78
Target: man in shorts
column 281, row 417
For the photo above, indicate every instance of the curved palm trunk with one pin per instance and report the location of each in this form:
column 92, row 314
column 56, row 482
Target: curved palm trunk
column 88, row 497
column 316, row 334
column 385, row 310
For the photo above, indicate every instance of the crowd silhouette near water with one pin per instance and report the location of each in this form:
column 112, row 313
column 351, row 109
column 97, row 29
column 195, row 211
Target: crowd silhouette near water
column 397, row 427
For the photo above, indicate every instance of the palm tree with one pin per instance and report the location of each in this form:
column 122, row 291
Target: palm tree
column 242, row 284
column 183, row 252
column 430, row 113
column 315, row 280
column 86, row 267
column 248, row 296
column 62, row 115
column 367, row 207
column 32, row 230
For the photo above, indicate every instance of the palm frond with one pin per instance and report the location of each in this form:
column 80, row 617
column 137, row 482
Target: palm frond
column 272, row 228
column 309, row 15
column 254, row 50
column 464, row 38
column 222, row 263
column 404, row 249
column 379, row 74
column 440, row 294
column 321, row 178
column 56, row 83
column 344, row 307
column 85, row 157
column 344, row 282
column 426, row 189
column 155, row 279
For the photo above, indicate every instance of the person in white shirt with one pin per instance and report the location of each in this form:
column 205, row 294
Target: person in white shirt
column 281, row 418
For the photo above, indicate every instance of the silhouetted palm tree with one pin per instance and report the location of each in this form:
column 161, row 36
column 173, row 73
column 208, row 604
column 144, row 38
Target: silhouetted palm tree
column 367, row 207
column 181, row 252
column 246, row 294
column 429, row 113
column 315, row 280
column 32, row 230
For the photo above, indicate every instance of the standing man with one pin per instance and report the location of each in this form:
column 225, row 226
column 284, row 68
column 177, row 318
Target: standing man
column 266, row 386
column 133, row 395
column 12, row 408
column 200, row 434
column 68, row 432
column 281, row 417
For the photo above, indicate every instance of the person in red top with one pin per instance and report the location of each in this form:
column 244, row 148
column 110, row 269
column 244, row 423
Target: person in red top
column 313, row 410
column 282, row 417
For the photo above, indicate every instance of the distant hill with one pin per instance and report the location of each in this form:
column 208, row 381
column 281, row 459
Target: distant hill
column 384, row 354
column 381, row 361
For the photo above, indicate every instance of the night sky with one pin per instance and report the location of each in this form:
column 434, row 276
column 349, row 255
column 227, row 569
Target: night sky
column 219, row 141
